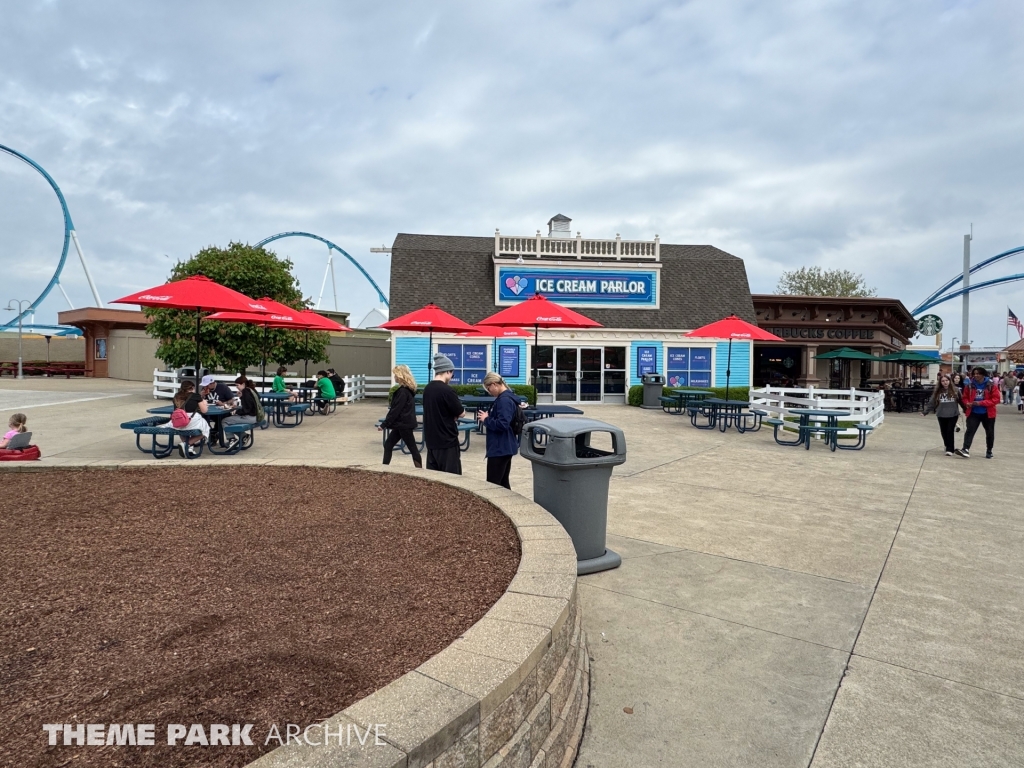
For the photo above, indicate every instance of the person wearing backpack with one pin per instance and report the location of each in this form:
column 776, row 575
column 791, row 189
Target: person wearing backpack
column 504, row 422
column 189, row 407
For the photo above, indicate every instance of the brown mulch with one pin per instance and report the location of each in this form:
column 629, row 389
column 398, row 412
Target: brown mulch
column 263, row 595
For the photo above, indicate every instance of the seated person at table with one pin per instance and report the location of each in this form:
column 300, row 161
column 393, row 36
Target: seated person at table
column 194, row 405
column 279, row 385
column 216, row 392
column 337, row 381
column 248, row 410
column 326, row 387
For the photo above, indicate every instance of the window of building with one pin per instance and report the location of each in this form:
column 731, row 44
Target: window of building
column 688, row 366
column 470, row 361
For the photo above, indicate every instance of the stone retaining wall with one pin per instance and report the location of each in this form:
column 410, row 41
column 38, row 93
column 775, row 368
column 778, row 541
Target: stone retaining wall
column 512, row 692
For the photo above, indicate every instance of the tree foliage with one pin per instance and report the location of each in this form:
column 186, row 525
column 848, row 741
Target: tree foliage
column 256, row 272
column 815, row 281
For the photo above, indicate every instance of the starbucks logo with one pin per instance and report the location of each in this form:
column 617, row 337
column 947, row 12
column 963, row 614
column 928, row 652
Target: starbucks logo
column 929, row 325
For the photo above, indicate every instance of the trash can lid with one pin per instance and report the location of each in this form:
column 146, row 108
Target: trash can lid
column 570, row 427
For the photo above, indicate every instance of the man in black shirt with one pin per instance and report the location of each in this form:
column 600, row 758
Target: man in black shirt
column 337, row 381
column 442, row 410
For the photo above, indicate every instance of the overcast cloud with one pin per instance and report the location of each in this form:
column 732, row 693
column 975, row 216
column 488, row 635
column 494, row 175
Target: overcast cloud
column 863, row 135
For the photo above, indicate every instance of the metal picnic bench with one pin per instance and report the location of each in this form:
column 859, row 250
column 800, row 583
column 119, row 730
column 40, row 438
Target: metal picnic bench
column 829, row 429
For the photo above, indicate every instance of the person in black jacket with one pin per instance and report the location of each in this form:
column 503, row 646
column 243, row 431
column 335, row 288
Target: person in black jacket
column 401, row 418
column 247, row 411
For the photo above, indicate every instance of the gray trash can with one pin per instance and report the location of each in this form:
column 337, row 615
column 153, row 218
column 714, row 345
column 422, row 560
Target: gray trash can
column 653, row 385
column 570, row 480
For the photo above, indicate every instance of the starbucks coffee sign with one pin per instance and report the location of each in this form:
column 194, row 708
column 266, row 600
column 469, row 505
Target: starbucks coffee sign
column 929, row 325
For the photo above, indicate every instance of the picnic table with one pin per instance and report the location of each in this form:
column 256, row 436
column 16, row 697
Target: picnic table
column 214, row 414
column 281, row 407
column 725, row 413
column 682, row 399
column 465, row 427
column 909, row 399
column 814, row 421
column 535, row 412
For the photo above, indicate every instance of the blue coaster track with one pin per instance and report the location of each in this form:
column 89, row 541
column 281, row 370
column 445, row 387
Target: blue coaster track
column 380, row 294
column 69, row 227
column 941, row 295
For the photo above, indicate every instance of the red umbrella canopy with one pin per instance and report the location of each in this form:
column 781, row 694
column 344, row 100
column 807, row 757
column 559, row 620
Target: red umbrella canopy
column 733, row 327
column 316, row 322
column 430, row 318
column 194, row 293
column 273, row 320
column 496, row 332
column 540, row 313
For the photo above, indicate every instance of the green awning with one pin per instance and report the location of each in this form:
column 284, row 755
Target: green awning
column 909, row 356
column 845, row 353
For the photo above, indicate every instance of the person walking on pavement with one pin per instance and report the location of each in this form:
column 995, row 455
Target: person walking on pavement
column 945, row 404
column 442, row 410
column 502, row 441
column 981, row 398
column 401, row 418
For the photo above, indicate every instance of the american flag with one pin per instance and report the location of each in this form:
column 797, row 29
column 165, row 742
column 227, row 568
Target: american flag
column 1011, row 319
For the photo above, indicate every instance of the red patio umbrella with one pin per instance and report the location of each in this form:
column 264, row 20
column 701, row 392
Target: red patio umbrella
column 281, row 316
column 731, row 328
column 199, row 293
column 429, row 318
column 540, row 313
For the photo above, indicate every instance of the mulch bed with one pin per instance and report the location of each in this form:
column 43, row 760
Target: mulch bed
column 264, row 595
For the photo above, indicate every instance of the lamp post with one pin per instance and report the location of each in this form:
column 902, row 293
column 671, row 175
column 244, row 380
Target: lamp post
column 21, row 312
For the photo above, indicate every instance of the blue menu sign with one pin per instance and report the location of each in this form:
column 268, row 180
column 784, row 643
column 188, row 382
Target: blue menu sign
column 700, row 359
column 678, row 359
column 474, row 357
column 646, row 360
column 453, row 352
column 508, row 361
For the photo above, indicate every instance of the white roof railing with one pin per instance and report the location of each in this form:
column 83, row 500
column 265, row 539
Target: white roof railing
column 538, row 246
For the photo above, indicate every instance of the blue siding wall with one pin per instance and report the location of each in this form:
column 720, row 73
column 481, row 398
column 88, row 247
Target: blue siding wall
column 631, row 375
column 413, row 352
column 740, row 366
column 524, row 361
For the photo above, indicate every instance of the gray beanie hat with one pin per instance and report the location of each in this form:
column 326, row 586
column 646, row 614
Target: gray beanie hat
column 442, row 364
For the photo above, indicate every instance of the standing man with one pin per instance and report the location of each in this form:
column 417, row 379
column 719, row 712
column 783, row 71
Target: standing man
column 442, row 410
column 980, row 399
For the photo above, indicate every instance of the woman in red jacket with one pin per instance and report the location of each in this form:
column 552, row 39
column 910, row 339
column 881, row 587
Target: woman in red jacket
column 980, row 399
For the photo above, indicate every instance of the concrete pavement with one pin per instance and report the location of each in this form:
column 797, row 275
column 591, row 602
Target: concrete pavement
column 775, row 606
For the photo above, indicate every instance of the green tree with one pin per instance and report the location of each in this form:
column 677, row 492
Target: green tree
column 256, row 272
column 815, row 281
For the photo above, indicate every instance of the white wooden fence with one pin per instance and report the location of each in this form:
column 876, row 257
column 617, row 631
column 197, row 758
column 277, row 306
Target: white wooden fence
column 357, row 387
column 863, row 407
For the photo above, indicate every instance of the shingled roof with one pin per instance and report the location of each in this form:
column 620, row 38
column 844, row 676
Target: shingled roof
column 699, row 283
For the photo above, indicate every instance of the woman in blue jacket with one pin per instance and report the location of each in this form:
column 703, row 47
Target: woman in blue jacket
column 502, row 442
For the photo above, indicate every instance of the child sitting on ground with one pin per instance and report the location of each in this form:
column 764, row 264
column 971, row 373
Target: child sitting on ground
column 17, row 425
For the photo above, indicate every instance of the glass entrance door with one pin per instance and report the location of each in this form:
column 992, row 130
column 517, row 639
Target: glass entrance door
column 566, row 374
column 578, row 374
column 590, row 375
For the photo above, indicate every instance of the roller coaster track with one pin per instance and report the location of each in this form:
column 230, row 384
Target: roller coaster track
column 69, row 237
column 383, row 297
column 940, row 296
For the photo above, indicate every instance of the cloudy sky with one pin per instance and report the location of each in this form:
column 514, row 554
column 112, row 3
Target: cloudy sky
column 864, row 135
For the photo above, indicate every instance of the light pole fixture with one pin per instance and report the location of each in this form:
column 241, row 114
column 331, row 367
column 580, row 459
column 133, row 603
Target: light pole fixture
column 21, row 313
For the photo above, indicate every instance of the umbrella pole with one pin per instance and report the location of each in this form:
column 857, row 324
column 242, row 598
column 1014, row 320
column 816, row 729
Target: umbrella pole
column 728, row 371
column 430, row 354
column 536, row 334
column 263, row 380
column 198, row 322
column 305, row 366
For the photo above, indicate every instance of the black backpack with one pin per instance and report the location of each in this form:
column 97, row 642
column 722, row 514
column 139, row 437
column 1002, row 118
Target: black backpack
column 518, row 419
